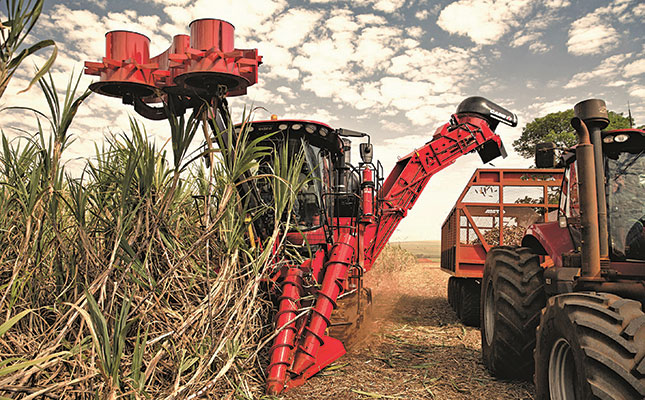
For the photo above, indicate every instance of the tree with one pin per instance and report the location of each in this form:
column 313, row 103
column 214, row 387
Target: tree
column 556, row 127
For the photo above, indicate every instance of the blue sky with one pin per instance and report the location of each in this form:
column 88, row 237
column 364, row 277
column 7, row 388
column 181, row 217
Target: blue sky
column 394, row 68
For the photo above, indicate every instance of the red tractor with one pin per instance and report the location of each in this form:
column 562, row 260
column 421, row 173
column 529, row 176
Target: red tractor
column 587, row 306
column 343, row 217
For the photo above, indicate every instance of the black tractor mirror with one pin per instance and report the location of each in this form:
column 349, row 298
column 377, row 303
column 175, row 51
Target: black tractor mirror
column 545, row 155
column 366, row 152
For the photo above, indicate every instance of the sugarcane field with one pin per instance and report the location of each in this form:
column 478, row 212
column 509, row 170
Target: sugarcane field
column 322, row 199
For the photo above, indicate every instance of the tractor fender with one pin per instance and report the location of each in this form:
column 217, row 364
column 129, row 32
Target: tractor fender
column 550, row 239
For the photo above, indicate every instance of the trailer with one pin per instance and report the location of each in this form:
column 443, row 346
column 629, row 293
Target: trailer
column 521, row 196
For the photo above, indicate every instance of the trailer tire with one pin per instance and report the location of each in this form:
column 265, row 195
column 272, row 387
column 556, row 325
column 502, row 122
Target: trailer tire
column 590, row 346
column 470, row 297
column 457, row 296
column 451, row 291
column 512, row 297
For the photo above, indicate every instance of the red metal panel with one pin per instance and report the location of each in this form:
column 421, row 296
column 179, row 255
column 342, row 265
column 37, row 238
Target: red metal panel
column 405, row 183
column 206, row 34
column 545, row 234
column 195, row 65
column 125, row 45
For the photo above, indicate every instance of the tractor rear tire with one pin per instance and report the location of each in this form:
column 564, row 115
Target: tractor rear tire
column 512, row 297
column 470, row 297
column 590, row 346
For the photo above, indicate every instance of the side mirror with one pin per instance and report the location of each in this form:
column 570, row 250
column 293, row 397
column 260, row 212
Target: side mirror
column 545, row 155
column 366, row 152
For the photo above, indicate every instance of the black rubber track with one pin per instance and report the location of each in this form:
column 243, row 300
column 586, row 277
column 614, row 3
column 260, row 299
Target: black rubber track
column 516, row 277
column 470, row 293
column 606, row 335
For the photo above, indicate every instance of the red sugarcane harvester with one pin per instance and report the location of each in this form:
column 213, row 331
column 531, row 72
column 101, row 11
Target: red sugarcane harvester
column 343, row 217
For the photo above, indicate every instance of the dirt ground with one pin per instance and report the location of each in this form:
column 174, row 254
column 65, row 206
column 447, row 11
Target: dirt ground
column 413, row 347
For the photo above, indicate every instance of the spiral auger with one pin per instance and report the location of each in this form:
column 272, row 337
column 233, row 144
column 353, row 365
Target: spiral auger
column 284, row 342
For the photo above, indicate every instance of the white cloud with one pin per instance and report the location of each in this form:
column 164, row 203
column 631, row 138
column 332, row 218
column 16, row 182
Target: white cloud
column 261, row 96
column 347, row 52
column 608, row 70
column 638, row 92
column 171, row 2
column 291, row 28
column 591, row 35
column 544, row 108
column 557, row 3
column 415, row 31
column 287, row 91
column 484, row 21
column 404, row 94
column 430, row 115
column 376, row 46
column 445, row 67
column 310, row 112
column 538, row 47
column 635, row 68
column 386, row 6
column 277, row 61
column 248, row 16
column 423, row 14
column 371, row 19
column 595, row 34
column 639, row 10
column 534, row 26
column 342, row 21
column 521, row 38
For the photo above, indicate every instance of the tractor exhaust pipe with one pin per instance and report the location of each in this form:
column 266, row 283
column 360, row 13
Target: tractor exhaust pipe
column 588, row 202
column 594, row 114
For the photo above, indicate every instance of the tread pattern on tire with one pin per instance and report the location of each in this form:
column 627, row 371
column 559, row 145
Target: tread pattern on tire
column 470, row 293
column 451, row 291
column 519, row 296
column 607, row 337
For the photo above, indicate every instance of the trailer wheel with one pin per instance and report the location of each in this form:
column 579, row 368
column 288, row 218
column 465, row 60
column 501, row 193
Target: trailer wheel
column 590, row 346
column 512, row 297
column 457, row 298
column 451, row 291
column 469, row 294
